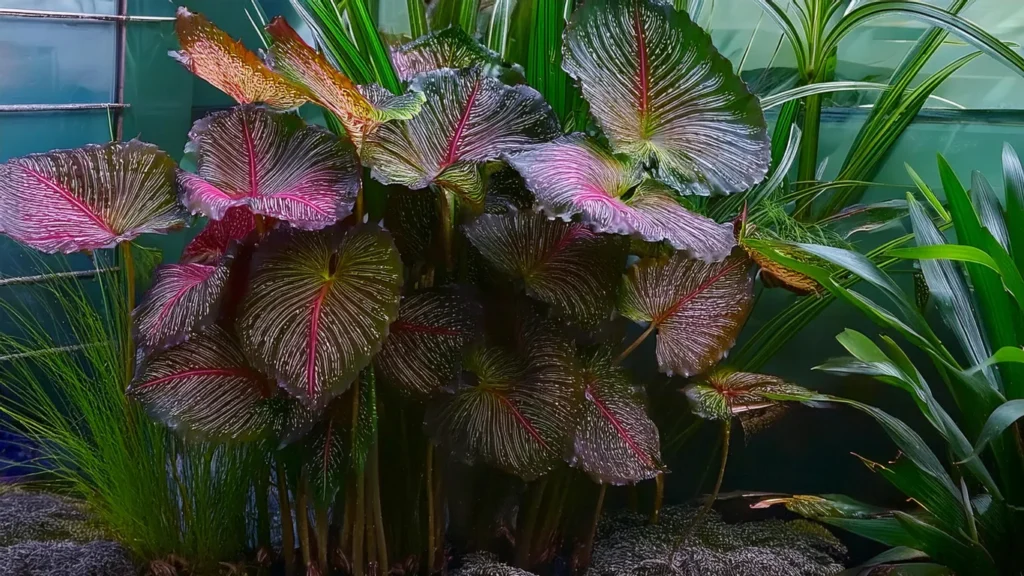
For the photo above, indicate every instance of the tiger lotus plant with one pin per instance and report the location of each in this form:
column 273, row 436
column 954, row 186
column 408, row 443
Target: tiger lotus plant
column 442, row 272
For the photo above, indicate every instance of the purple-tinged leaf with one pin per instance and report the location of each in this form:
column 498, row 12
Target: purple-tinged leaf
column 217, row 236
column 274, row 164
column 319, row 306
column 575, row 175
column 503, row 417
column 723, row 394
column 205, row 388
column 697, row 308
column 208, row 52
column 563, row 264
column 183, row 299
column 663, row 94
column 424, row 348
column 359, row 111
column 467, row 119
column 616, row 442
column 88, row 198
column 451, row 48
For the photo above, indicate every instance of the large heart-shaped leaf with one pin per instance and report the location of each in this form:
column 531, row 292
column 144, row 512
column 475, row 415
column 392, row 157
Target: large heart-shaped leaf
column 208, row 52
column 663, row 94
column 564, row 264
column 501, row 416
column 88, row 198
column 697, row 308
column 209, row 245
column 319, row 306
column 273, row 163
column 723, row 394
column 183, row 298
column 360, row 110
column 616, row 442
column 575, row 175
column 205, row 387
column 424, row 348
column 451, row 47
column 467, row 119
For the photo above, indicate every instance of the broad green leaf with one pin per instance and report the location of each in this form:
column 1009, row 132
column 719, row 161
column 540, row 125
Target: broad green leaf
column 697, row 308
column 500, row 415
column 218, row 235
column 205, row 388
column 615, row 442
column 88, row 198
column 1001, row 419
column 1013, row 181
column 662, row 93
column 564, row 264
column 989, row 211
column 926, row 191
column 183, row 299
column 954, row 551
column 359, row 109
column 925, row 490
column 949, row 289
column 1006, row 354
column 451, row 48
column 208, row 52
column 274, row 164
column 996, row 259
column 318, row 307
column 575, row 175
column 467, row 119
column 424, row 349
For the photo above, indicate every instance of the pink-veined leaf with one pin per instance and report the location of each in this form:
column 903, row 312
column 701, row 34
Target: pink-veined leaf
column 360, row 111
column 451, row 47
column 663, row 94
column 575, row 175
column 205, row 388
column 183, row 299
column 88, row 198
column 501, row 416
column 564, row 264
column 272, row 163
column 208, row 52
column 724, row 393
column 467, row 119
column 217, row 236
column 334, row 448
column 424, row 348
column 697, row 308
column 318, row 307
column 616, row 442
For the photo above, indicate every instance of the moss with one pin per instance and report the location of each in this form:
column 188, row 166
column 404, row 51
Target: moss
column 36, row 516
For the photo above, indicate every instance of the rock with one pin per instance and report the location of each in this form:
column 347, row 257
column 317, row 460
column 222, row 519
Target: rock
column 37, row 516
column 627, row 545
column 98, row 558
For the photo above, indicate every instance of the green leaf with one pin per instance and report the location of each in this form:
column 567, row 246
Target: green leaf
column 662, row 93
column 564, row 264
column 926, row 490
column 697, row 308
column 962, row 556
column 724, row 393
column 1001, row 419
column 318, row 307
column 1007, row 354
column 499, row 25
column 930, row 196
column 451, row 48
column 799, row 92
column 989, row 211
column 1013, row 180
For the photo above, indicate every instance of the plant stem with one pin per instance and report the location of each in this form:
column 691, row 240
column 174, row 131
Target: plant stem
column 417, row 17
column 302, row 520
column 430, row 508
column 359, row 525
column 445, row 204
column 360, row 205
column 373, row 467
column 636, row 343
column 260, row 224
column 129, row 280
column 589, row 545
column 287, row 529
column 322, row 536
column 659, row 497
column 808, row 166
column 261, row 486
column 524, row 539
column 706, row 507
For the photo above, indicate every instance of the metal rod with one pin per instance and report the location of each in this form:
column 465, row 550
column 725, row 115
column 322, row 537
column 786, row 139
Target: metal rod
column 50, row 14
column 61, row 107
column 120, row 49
column 40, row 278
